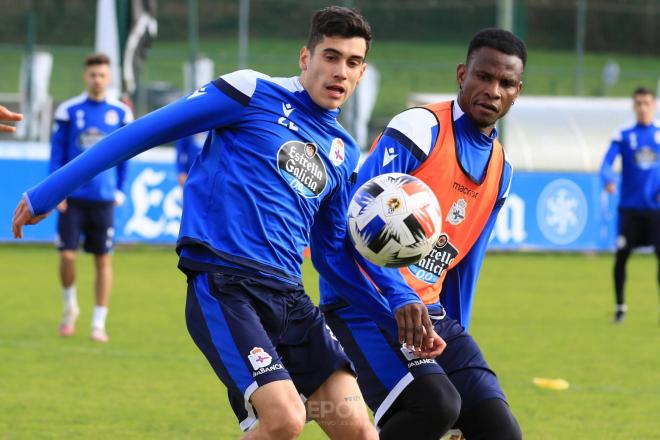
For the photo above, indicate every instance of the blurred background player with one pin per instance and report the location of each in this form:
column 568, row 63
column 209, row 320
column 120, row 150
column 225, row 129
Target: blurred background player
column 639, row 202
column 7, row 115
column 80, row 123
column 187, row 149
column 452, row 146
column 252, row 201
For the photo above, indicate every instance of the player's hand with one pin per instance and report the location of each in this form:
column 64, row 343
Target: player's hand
column 610, row 188
column 414, row 325
column 434, row 350
column 23, row 217
column 120, row 198
column 62, row 206
column 182, row 178
column 8, row 115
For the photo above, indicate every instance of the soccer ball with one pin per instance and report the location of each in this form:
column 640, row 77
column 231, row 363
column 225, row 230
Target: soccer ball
column 394, row 220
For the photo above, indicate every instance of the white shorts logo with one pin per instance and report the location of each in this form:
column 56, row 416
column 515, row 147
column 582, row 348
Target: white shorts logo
column 259, row 358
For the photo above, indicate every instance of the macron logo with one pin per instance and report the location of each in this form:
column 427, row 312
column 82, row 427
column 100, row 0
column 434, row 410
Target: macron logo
column 389, row 156
column 287, row 109
column 199, row 92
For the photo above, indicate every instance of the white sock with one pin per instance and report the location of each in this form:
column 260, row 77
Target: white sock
column 98, row 319
column 69, row 297
column 621, row 308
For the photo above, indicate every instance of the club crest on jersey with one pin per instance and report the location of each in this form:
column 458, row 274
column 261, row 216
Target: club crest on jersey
column 456, row 213
column 259, row 358
column 430, row 268
column 89, row 137
column 337, row 152
column 111, row 118
column 301, row 166
column 645, row 158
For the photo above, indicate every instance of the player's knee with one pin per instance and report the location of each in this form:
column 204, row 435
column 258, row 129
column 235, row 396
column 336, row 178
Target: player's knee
column 447, row 406
column 490, row 419
column 435, row 398
column 288, row 423
column 68, row 256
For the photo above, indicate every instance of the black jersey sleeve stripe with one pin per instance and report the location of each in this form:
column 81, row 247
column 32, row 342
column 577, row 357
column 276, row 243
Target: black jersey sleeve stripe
column 230, row 91
column 406, row 143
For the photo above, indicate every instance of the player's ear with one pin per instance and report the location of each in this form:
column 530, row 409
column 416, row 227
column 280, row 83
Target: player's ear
column 363, row 69
column 460, row 75
column 303, row 60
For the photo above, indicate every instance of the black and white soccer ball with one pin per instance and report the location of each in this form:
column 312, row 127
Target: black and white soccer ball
column 394, row 220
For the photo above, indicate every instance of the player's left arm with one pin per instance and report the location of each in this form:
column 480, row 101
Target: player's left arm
column 332, row 258
column 122, row 167
column 461, row 281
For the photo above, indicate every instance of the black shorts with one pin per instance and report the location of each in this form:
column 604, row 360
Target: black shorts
column 256, row 330
column 638, row 228
column 94, row 220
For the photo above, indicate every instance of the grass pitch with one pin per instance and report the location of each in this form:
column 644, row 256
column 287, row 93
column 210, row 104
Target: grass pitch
column 535, row 316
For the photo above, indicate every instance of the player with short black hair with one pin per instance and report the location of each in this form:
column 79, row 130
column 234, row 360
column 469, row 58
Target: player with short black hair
column 80, row 123
column 451, row 146
column 253, row 200
column 495, row 38
column 639, row 203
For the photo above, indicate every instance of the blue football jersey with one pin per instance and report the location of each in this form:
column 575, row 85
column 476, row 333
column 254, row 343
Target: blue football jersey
column 406, row 143
column 639, row 147
column 273, row 160
column 80, row 123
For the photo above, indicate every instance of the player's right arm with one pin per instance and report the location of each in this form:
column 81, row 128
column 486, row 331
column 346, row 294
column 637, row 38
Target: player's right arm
column 606, row 173
column 217, row 104
column 403, row 146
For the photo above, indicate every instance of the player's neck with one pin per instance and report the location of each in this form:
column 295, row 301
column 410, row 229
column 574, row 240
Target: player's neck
column 96, row 96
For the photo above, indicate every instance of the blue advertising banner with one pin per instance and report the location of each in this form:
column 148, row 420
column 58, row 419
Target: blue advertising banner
column 544, row 211
column 150, row 214
column 556, row 211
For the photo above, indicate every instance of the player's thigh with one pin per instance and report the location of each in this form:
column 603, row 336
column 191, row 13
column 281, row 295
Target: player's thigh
column 229, row 332
column 632, row 230
column 99, row 228
column 311, row 352
column 69, row 227
column 278, row 404
column 384, row 369
column 339, row 409
column 466, row 366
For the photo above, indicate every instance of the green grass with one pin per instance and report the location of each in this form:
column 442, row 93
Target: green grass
column 405, row 67
column 535, row 316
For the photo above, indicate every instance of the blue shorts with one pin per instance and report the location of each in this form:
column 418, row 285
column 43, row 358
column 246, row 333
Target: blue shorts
column 256, row 330
column 384, row 369
column 94, row 220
